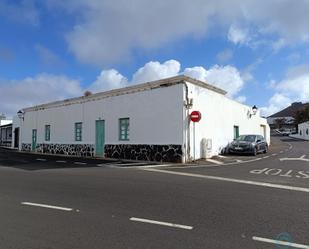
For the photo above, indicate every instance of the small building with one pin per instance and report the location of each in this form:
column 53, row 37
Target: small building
column 149, row 121
column 6, row 133
column 303, row 131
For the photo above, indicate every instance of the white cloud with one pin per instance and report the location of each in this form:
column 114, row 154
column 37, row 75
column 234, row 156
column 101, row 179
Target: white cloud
column 17, row 94
column 107, row 80
column 154, row 70
column 227, row 77
column 276, row 103
column 238, row 35
column 110, row 31
column 294, row 88
column 225, row 55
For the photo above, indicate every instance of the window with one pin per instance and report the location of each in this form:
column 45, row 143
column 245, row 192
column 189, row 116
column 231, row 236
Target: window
column 236, row 131
column 78, row 131
column 124, row 128
column 47, row 132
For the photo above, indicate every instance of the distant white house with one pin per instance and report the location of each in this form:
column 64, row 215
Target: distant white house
column 6, row 133
column 303, row 131
column 149, row 121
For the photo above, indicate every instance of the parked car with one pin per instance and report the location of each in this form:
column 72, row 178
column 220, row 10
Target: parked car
column 250, row 144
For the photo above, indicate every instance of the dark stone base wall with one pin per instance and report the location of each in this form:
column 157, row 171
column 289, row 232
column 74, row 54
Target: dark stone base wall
column 63, row 149
column 26, row 147
column 67, row 149
column 144, row 152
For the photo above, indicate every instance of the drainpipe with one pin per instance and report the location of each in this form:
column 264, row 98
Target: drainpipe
column 187, row 106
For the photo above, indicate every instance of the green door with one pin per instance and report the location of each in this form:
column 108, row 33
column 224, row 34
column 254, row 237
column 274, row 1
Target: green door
column 34, row 135
column 99, row 138
column 236, row 131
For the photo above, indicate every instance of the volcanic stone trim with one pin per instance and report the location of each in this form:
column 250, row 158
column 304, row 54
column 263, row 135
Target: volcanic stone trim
column 67, row 149
column 26, row 147
column 145, row 152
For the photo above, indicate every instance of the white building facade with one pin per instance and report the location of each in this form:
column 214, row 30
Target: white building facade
column 303, row 131
column 147, row 122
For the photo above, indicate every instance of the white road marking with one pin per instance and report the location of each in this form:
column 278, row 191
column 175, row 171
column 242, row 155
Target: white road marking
column 294, row 159
column 214, row 161
column 161, row 223
column 265, row 157
column 80, row 163
column 279, row 242
column 281, row 172
column 239, row 161
column 46, row 206
column 275, row 154
column 303, row 156
column 281, row 152
column 61, row 161
column 41, row 159
column 218, row 178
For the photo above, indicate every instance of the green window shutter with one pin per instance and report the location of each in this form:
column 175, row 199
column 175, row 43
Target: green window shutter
column 124, row 129
column 78, row 131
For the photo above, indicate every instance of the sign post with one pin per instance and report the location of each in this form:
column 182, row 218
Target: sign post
column 195, row 116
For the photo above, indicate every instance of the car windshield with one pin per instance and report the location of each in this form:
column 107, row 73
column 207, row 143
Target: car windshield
column 247, row 138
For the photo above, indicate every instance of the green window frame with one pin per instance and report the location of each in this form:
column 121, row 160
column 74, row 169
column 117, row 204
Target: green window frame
column 124, row 129
column 47, row 132
column 78, row 131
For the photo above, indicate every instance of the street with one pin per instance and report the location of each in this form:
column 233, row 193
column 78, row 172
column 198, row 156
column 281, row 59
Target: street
column 234, row 202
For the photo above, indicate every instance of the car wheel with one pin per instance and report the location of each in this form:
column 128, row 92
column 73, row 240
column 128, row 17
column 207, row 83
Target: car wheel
column 254, row 153
column 266, row 149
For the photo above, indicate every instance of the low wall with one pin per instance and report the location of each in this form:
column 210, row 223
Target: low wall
column 144, row 152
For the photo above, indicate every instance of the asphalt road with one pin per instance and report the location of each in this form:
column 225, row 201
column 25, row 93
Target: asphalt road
column 243, row 203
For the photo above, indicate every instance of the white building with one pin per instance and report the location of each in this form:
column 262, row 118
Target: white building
column 148, row 121
column 303, row 131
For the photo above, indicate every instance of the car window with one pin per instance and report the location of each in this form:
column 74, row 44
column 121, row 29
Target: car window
column 247, row 138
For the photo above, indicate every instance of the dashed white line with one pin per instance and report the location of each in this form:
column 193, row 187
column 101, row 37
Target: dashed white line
column 46, row 206
column 265, row 157
column 279, row 242
column 214, row 161
column 281, row 152
column 294, row 159
column 161, row 223
column 80, row 163
column 218, row 178
column 275, row 154
column 41, row 159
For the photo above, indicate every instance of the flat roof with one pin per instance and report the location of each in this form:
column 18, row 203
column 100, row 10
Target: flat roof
column 131, row 89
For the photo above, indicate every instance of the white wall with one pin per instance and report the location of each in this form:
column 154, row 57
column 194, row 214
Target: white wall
column 219, row 115
column 303, row 129
column 155, row 118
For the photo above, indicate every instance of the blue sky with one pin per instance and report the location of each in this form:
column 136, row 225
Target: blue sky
column 257, row 51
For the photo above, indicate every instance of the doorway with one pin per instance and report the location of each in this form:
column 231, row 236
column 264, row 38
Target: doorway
column 34, row 139
column 99, row 137
column 16, row 137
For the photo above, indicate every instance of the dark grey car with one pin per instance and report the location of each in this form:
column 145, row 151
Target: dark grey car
column 251, row 144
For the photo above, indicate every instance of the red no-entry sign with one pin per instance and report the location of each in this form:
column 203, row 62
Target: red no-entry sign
column 195, row 116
